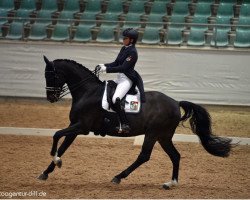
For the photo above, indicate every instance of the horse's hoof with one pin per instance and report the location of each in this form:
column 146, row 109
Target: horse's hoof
column 59, row 163
column 43, row 177
column 116, row 180
column 166, row 187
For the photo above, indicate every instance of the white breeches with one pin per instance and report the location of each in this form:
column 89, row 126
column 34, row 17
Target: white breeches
column 123, row 86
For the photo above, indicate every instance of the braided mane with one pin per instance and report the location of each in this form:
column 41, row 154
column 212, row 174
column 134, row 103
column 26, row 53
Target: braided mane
column 81, row 67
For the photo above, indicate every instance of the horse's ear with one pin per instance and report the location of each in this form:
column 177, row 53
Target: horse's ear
column 46, row 60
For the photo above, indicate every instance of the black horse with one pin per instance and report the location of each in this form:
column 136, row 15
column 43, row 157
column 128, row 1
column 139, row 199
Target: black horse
column 158, row 118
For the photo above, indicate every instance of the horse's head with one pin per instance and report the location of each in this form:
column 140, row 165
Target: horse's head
column 54, row 81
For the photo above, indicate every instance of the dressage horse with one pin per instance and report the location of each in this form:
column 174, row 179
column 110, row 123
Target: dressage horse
column 157, row 120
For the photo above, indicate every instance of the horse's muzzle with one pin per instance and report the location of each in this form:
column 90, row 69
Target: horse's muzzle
column 52, row 98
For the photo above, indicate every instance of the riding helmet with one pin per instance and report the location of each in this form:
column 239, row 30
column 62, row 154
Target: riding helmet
column 131, row 33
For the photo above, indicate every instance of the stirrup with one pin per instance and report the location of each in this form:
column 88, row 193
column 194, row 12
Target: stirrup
column 124, row 128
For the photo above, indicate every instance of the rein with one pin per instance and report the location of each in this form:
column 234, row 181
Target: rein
column 65, row 89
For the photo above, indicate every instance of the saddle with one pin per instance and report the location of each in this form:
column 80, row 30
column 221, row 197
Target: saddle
column 131, row 102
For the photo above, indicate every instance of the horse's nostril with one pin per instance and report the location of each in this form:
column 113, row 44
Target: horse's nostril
column 51, row 98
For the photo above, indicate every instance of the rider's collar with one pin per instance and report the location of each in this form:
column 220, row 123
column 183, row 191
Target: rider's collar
column 128, row 46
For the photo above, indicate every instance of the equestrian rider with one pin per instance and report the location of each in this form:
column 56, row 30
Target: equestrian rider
column 127, row 77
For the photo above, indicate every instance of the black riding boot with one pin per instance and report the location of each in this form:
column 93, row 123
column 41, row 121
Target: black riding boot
column 124, row 127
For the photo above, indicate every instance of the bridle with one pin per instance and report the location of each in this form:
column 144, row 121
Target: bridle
column 60, row 92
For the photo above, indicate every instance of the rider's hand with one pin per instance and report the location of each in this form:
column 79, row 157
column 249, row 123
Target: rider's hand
column 102, row 67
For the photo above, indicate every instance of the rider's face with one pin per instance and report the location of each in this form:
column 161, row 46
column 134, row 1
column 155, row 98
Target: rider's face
column 126, row 41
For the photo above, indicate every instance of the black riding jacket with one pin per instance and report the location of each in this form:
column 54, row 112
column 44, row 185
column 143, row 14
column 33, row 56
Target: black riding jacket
column 125, row 63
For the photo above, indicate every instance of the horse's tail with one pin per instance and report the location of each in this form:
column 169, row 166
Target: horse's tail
column 200, row 123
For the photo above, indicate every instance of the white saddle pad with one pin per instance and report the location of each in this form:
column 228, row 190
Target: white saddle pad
column 132, row 102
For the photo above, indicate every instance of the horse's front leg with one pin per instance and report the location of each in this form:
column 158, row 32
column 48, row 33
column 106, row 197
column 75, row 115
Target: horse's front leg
column 64, row 146
column 73, row 129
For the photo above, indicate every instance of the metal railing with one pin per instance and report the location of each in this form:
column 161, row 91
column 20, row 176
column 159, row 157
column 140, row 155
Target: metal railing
column 213, row 27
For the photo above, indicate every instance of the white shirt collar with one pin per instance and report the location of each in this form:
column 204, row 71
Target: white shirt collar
column 128, row 46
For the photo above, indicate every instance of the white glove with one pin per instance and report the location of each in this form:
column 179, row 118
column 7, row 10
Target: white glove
column 102, row 67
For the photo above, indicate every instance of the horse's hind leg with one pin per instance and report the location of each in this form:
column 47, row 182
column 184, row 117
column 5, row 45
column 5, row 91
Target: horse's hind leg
column 64, row 146
column 143, row 157
column 168, row 147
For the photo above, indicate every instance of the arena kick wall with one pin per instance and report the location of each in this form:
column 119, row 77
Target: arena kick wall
column 206, row 77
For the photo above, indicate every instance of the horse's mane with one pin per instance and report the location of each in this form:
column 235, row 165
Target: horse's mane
column 81, row 67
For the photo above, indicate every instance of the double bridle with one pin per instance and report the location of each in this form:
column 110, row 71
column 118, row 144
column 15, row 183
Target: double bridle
column 60, row 92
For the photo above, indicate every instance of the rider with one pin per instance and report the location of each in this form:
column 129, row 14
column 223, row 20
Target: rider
column 127, row 77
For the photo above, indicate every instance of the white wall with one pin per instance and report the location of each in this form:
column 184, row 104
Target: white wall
column 210, row 77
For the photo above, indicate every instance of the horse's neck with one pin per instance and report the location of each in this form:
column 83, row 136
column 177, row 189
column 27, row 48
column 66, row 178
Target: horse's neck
column 80, row 80
column 84, row 90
